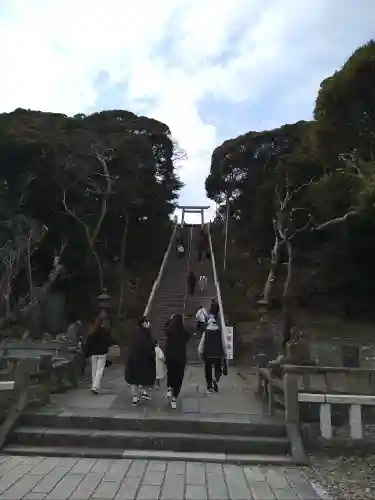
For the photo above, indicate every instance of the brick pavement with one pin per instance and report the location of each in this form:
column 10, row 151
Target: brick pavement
column 40, row 478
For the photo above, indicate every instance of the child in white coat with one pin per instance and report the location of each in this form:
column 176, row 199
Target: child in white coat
column 160, row 365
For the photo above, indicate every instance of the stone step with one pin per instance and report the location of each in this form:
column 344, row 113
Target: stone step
column 254, row 426
column 83, row 452
column 167, row 441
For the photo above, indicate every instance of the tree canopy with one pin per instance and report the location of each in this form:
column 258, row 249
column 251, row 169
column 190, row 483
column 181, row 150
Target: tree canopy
column 310, row 185
column 96, row 189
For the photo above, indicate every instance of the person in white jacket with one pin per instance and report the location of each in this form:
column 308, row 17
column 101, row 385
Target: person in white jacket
column 201, row 317
column 160, row 365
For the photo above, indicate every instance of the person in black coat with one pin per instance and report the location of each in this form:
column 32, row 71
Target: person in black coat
column 140, row 367
column 177, row 338
column 211, row 350
column 96, row 346
column 192, row 282
column 214, row 308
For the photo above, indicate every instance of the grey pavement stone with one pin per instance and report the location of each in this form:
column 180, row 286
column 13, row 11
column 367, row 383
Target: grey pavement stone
column 214, row 468
column 45, row 466
column 195, row 473
column 65, row 487
column 129, row 488
column 236, row 482
column 10, row 464
column 157, row 465
column 106, row 490
column 83, row 466
column 32, row 461
column 4, row 458
column 153, row 478
column 102, row 465
column 13, row 476
column 176, row 468
column 254, row 474
column 137, row 468
column 261, row 491
column 34, row 496
column 87, row 486
column 285, row 494
column 276, row 479
column 148, row 492
column 68, row 462
column 117, row 470
column 196, row 492
column 174, row 487
column 216, row 486
column 50, row 480
column 21, row 487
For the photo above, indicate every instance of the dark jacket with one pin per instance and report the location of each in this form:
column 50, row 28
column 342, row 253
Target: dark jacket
column 98, row 342
column 140, row 367
column 192, row 279
column 177, row 338
column 212, row 343
column 214, row 309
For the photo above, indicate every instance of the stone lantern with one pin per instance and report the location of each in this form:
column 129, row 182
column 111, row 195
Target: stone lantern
column 104, row 305
column 263, row 310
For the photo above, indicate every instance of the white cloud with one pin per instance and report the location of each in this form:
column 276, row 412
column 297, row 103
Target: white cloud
column 172, row 52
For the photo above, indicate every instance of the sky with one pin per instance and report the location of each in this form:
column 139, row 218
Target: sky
column 209, row 69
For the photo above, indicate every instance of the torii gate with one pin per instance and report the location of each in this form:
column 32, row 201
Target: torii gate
column 192, row 209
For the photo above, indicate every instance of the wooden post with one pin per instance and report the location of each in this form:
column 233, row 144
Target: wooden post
column 291, row 398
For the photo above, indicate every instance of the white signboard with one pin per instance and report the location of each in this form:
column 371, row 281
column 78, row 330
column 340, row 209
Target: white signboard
column 229, row 341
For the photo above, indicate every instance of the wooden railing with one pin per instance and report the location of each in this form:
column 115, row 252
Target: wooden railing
column 157, row 282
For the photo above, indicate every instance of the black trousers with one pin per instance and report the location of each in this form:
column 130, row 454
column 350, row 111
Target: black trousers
column 216, row 365
column 175, row 375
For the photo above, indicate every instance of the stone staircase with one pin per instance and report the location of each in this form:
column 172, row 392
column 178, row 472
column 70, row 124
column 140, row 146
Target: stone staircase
column 100, row 435
column 170, row 296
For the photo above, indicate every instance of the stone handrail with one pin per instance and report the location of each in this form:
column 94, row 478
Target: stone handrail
column 355, row 403
column 294, row 394
column 19, row 387
column 218, row 293
column 157, row 282
column 190, row 244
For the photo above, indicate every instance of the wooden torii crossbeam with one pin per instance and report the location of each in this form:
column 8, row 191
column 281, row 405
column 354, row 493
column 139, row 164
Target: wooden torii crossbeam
column 192, row 209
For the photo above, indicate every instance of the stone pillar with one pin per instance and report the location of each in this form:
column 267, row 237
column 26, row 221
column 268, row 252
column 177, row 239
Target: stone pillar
column 202, row 218
column 350, row 356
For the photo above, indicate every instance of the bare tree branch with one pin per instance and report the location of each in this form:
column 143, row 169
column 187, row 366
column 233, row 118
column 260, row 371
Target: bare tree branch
column 336, row 221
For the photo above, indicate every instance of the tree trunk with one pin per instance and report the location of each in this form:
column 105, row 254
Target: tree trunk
column 288, row 297
column 122, row 262
column 274, row 266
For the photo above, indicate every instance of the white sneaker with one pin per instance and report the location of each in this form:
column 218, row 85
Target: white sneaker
column 174, row 404
column 135, row 400
column 169, row 393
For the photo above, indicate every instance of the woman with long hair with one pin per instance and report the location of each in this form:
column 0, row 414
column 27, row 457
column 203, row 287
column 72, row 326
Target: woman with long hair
column 177, row 338
column 140, row 367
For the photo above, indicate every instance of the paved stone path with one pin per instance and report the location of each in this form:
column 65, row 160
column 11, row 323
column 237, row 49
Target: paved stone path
column 236, row 398
column 39, row 478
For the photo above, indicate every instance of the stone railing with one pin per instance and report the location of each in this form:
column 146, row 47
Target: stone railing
column 157, row 282
column 189, row 249
column 325, row 386
column 218, row 293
